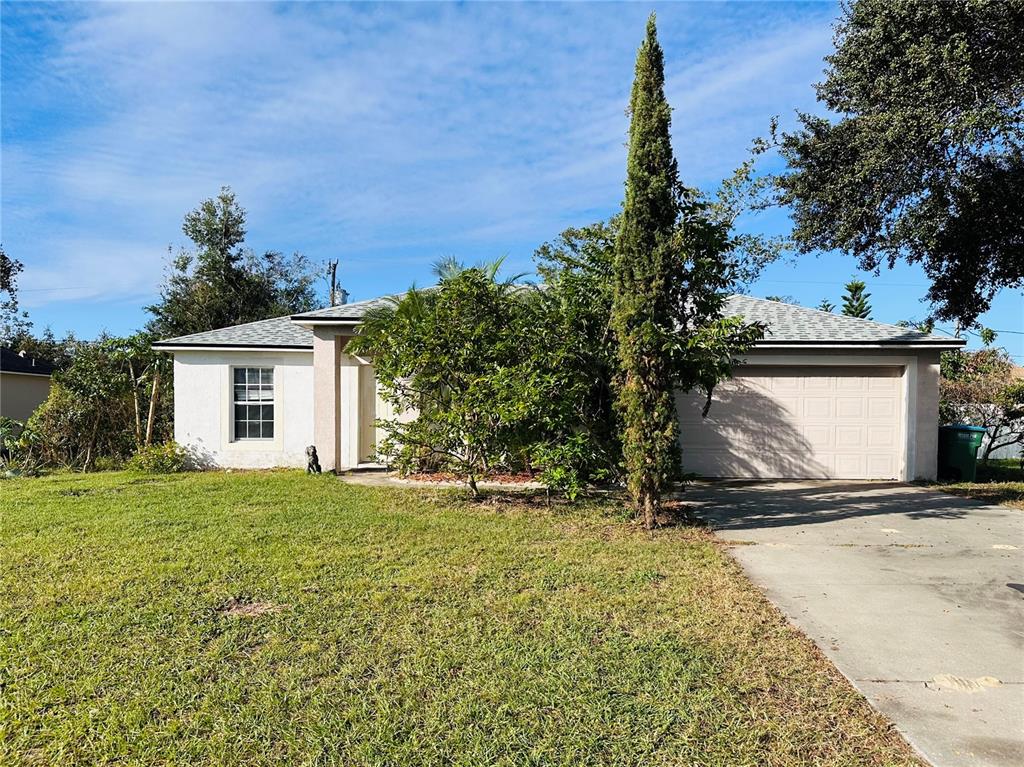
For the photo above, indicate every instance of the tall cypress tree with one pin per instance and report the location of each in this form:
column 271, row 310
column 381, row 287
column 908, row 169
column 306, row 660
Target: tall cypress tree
column 642, row 315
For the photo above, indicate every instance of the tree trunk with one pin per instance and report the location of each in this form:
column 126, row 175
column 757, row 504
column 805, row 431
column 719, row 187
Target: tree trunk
column 135, row 401
column 91, row 448
column 471, row 481
column 153, row 397
column 649, row 507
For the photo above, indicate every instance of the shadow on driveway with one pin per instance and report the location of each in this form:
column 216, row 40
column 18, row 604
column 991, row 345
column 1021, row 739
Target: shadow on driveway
column 739, row 505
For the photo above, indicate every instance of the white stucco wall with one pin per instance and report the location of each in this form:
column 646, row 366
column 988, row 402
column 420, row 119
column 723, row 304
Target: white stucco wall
column 203, row 408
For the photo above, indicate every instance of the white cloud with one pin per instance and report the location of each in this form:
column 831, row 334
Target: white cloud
column 403, row 130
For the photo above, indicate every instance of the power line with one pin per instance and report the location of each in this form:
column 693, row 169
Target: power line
column 843, row 284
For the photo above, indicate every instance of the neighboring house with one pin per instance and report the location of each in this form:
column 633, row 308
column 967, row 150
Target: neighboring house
column 823, row 395
column 24, row 384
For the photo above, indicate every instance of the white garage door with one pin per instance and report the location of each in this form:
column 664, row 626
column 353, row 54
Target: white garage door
column 798, row 422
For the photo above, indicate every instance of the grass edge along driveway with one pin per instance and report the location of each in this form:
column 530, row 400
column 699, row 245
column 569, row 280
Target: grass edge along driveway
column 274, row 618
column 1000, row 481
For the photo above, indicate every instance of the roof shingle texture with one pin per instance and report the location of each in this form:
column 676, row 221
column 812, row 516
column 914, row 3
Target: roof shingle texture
column 346, row 311
column 279, row 332
column 786, row 324
column 797, row 324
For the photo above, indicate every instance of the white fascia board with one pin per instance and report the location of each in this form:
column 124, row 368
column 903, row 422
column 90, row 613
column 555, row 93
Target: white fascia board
column 937, row 345
column 197, row 348
column 311, row 323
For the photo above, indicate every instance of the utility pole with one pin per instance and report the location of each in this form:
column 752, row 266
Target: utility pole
column 339, row 295
column 332, row 271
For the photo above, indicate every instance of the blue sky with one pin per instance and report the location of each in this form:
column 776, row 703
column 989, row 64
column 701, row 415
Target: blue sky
column 386, row 136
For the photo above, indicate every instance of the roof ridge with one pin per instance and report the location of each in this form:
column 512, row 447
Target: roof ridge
column 313, row 313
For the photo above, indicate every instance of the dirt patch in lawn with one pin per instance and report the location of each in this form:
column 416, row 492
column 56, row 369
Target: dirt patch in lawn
column 242, row 607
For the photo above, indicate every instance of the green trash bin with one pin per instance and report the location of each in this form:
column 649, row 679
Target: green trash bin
column 958, row 451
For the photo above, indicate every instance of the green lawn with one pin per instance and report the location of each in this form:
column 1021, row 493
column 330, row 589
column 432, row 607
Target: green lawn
column 998, row 481
column 399, row 627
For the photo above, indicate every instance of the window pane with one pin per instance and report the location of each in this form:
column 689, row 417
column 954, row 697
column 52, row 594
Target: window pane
column 253, row 393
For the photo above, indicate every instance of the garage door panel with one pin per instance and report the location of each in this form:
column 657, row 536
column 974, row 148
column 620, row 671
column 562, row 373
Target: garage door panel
column 881, row 407
column 722, row 439
column 850, row 384
column 818, row 407
column 881, row 466
column 880, row 384
column 881, row 436
column 823, row 422
column 850, row 437
column 782, row 384
column 786, row 406
column 850, row 407
column 850, row 466
column 819, row 437
column 816, row 384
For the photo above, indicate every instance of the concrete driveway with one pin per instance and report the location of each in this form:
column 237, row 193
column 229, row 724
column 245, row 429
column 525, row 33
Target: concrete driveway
column 915, row 595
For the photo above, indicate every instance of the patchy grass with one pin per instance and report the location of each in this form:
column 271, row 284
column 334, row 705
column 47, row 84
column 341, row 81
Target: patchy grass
column 1000, row 481
column 274, row 618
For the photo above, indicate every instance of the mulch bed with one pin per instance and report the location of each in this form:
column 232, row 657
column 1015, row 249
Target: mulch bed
column 443, row 476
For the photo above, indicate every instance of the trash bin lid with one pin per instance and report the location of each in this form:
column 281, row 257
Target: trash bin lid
column 964, row 427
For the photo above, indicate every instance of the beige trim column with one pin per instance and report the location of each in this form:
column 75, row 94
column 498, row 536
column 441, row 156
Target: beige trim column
column 927, row 417
column 327, row 345
column 349, row 412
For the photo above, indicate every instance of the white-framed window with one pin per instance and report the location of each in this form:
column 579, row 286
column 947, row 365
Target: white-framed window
column 253, row 403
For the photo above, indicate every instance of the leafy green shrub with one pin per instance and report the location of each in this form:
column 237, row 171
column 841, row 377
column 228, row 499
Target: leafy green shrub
column 569, row 466
column 168, row 458
column 73, row 430
column 9, row 432
column 17, row 447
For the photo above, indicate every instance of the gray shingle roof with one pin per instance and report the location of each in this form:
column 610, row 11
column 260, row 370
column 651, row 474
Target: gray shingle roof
column 352, row 311
column 279, row 332
column 787, row 324
column 797, row 324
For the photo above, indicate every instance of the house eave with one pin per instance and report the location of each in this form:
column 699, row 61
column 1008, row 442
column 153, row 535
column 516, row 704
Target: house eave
column 310, row 321
column 953, row 343
column 230, row 348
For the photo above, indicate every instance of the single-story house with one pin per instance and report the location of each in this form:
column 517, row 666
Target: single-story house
column 823, row 395
column 24, row 384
